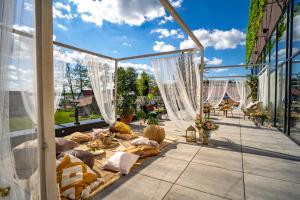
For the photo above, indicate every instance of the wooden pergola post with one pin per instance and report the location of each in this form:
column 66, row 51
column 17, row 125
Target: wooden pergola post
column 45, row 99
column 116, row 88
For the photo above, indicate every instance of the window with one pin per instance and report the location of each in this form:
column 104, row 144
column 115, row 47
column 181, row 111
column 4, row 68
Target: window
column 282, row 38
column 296, row 28
column 280, row 104
column 272, row 49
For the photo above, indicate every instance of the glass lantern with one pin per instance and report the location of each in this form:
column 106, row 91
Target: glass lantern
column 190, row 134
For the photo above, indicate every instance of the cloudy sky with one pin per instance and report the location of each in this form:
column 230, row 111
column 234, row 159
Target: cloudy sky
column 121, row 28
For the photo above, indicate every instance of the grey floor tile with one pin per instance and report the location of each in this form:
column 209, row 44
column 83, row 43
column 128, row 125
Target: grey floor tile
column 272, row 167
column 257, row 187
column 182, row 193
column 213, row 180
column 164, row 168
column 181, row 151
column 135, row 187
column 219, row 158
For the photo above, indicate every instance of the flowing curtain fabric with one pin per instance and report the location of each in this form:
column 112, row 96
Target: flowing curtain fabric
column 18, row 169
column 101, row 75
column 233, row 92
column 28, row 85
column 179, row 84
column 244, row 92
column 263, row 87
column 217, row 90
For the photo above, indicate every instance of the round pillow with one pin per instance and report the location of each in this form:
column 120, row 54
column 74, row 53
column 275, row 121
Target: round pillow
column 154, row 132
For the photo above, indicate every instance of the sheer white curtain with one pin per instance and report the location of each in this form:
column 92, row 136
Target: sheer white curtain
column 178, row 82
column 218, row 89
column 263, row 87
column 233, row 92
column 101, row 75
column 244, row 92
column 14, row 175
column 26, row 75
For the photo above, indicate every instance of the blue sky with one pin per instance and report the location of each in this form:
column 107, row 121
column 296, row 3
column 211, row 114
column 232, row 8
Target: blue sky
column 121, row 28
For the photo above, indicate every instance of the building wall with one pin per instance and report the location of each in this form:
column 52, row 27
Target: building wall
column 273, row 11
column 16, row 106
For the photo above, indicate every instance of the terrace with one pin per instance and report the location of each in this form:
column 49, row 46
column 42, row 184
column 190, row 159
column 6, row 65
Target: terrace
column 78, row 124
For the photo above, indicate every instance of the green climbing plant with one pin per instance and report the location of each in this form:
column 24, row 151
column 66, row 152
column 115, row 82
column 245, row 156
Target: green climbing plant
column 256, row 14
column 252, row 82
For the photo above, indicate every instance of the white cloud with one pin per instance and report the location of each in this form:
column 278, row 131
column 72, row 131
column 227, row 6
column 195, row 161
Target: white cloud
column 28, row 6
column 26, row 29
column 115, row 51
column 54, row 37
column 127, row 44
column 165, row 20
column 62, row 11
column 131, row 12
column 217, row 39
column 161, row 46
column 62, row 27
column 176, row 3
column 163, row 33
column 138, row 67
column 59, row 5
column 213, row 61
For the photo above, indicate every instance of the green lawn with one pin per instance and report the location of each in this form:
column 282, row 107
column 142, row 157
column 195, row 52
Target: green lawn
column 20, row 123
column 61, row 117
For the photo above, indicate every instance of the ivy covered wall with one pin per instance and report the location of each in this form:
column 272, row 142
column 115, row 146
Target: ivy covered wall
column 256, row 14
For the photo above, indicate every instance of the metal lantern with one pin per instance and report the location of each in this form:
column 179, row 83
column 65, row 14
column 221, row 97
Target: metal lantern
column 190, row 134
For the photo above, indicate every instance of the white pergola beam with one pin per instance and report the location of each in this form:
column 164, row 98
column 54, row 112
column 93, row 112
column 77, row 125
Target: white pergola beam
column 178, row 19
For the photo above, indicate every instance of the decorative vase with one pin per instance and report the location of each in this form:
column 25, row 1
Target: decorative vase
column 126, row 119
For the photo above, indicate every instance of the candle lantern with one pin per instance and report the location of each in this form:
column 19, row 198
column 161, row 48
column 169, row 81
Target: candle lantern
column 190, row 134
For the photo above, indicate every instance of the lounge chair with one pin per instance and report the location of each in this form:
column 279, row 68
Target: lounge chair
column 252, row 108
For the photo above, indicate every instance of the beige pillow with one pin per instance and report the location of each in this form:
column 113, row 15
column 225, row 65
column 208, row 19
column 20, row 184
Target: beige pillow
column 144, row 141
column 121, row 162
column 250, row 105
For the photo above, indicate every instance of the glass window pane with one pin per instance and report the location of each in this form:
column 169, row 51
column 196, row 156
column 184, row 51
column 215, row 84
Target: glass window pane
column 272, row 94
column 295, row 99
column 281, row 34
column 280, row 105
column 272, row 49
column 296, row 28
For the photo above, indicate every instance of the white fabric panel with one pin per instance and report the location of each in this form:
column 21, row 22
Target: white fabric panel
column 244, row 92
column 16, row 57
column 218, row 89
column 233, row 92
column 179, row 84
column 263, row 87
column 101, row 75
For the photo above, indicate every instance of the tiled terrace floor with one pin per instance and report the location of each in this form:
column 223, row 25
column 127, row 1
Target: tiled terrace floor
column 242, row 162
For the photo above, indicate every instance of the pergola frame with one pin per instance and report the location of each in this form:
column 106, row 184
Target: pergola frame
column 45, row 86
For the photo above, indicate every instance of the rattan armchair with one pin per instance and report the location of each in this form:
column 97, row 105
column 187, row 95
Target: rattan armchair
column 256, row 107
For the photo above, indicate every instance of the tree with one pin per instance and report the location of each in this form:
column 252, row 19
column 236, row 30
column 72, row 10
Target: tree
column 81, row 77
column 127, row 90
column 69, row 76
column 143, row 84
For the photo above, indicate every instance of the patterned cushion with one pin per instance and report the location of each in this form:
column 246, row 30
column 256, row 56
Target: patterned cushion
column 76, row 180
column 79, row 137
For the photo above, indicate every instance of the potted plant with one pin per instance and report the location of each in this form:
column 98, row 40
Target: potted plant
column 205, row 126
column 141, row 115
column 252, row 82
column 127, row 93
column 260, row 117
column 153, row 131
